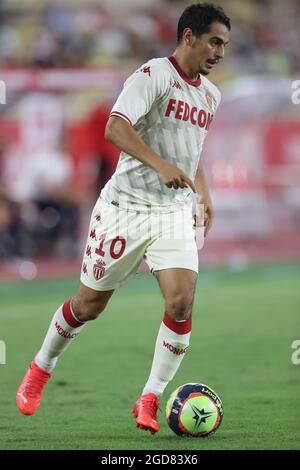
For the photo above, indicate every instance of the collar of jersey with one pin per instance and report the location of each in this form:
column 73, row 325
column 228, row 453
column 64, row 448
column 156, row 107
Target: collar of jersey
column 183, row 75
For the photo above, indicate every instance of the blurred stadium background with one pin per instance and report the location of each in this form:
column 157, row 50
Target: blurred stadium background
column 64, row 62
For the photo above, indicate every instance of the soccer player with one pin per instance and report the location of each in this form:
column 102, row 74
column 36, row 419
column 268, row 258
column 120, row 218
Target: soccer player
column 159, row 123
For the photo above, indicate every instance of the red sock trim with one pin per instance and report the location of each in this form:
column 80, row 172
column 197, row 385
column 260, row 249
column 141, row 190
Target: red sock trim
column 181, row 328
column 69, row 315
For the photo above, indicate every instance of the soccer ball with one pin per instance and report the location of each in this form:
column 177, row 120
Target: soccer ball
column 194, row 410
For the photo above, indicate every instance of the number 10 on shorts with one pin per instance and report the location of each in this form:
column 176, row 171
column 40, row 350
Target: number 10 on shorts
column 116, row 249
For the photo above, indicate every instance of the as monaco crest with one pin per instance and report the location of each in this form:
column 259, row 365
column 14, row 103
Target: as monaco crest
column 99, row 269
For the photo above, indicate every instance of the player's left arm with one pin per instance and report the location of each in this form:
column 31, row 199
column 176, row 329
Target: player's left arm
column 204, row 209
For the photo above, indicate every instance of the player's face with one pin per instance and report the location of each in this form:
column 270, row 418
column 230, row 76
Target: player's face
column 209, row 49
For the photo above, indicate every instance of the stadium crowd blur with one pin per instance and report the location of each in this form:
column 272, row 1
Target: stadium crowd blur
column 53, row 156
column 75, row 34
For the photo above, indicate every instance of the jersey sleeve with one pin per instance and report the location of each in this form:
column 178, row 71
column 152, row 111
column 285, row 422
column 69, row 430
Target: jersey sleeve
column 140, row 90
column 219, row 97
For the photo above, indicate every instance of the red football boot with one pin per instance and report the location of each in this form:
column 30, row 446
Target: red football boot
column 145, row 410
column 30, row 391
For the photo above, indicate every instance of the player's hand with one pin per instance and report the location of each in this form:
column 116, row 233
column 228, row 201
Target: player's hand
column 204, row 214
column 175, row 178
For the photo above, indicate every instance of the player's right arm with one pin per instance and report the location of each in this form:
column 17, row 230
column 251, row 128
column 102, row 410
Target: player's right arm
column 122, row 135
column 140, row 91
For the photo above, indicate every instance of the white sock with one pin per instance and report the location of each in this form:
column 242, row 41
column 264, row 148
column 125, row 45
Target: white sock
column 171, row 346
column 63, row 329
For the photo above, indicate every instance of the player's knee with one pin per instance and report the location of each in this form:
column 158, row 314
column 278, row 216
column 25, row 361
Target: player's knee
column 87, row 310
column 179, row 306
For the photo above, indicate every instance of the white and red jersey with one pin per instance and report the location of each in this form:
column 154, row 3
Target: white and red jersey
column 172, row 115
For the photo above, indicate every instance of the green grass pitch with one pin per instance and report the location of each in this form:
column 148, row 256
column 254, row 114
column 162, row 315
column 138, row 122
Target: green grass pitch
column 243, row 327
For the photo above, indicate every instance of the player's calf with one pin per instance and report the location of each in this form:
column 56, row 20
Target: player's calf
column 88, row 303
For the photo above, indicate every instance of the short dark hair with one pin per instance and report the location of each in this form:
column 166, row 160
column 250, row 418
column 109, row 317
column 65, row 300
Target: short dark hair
column 199, row 17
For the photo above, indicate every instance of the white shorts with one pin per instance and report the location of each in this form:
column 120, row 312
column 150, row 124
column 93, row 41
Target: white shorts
column 119, row 239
